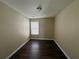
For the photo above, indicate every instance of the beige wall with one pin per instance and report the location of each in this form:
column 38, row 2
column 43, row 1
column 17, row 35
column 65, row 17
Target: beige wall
column 14, row 30
column 67, row 29
column 46, row 28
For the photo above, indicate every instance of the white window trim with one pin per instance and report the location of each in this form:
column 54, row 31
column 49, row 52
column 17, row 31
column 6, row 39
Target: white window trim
column 37, row 29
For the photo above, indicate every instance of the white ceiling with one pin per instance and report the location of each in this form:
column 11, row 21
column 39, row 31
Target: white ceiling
column 28, row 7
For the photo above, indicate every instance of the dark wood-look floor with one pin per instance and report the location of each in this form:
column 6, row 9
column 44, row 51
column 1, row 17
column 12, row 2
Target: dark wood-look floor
column 39, row 49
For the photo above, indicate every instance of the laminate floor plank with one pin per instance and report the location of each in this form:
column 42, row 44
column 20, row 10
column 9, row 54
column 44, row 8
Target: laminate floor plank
column 39, row 49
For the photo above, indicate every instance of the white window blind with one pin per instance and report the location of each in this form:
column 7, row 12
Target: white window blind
column 34, row 28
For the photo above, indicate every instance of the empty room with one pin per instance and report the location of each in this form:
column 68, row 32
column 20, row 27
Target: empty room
column 39, row 29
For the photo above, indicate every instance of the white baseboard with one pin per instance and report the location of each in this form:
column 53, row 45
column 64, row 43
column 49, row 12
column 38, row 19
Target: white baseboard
column 38, row 39
column 17, row 49
column 62, row 50
column 42, row 38
column 56, row 43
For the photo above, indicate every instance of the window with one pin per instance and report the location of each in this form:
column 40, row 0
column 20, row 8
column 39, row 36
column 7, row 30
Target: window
column 34, row 28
